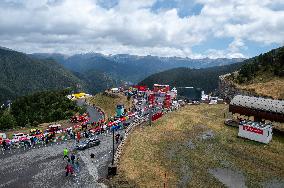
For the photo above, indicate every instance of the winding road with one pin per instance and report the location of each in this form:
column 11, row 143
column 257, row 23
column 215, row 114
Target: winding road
column 43, row 166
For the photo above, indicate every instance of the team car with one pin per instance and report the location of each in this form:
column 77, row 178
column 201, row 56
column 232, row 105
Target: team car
column 88, row 143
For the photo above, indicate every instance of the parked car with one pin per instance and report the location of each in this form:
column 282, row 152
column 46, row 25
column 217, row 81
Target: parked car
column 19, row 137
column 96, row 130
column 93, row 142
column 88, row 143
column 55, row 128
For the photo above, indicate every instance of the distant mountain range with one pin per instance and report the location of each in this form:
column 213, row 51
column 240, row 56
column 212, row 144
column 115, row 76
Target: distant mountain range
column 133, row 68
column 206, row 79
column 263, row 74
column 23, row 74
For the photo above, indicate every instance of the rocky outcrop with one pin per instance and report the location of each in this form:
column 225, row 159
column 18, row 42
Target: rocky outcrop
column 227, row 89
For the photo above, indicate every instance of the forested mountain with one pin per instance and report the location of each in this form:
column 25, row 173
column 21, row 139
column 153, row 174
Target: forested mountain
column 96, row 81
column 22, row 75
column 269, row 64
column 133, row 68
column 31, row 110
column 206, row 79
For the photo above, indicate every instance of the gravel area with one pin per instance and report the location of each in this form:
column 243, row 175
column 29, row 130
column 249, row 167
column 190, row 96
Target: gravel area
column 229, row 177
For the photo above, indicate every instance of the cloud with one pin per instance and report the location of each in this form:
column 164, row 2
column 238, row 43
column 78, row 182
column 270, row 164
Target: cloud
column 130, row 26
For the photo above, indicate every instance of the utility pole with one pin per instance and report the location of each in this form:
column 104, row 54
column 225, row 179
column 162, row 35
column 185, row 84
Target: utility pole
column 112, row 162
column 150, row 115
column 112, row 169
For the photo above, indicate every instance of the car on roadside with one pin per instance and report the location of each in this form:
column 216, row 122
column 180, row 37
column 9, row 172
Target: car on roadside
column 19, row 137
column 91, row 142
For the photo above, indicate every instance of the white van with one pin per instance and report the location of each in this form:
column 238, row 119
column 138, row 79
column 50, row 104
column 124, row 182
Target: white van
column 3, row 135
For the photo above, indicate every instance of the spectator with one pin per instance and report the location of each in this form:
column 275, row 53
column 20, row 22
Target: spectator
column 77, row 165
column 117, row 138
column 72, row 158
column 4, row 144
column 65, row 152
column 92, row 157
column 68, row 169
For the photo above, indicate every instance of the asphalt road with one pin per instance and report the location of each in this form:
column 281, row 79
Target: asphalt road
column 44, row 166
column 94, row 114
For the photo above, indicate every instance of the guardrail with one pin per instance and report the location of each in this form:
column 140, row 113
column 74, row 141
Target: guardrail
column 128, row 130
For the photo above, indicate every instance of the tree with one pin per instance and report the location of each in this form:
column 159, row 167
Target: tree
column 7, row 120
column 43, row 107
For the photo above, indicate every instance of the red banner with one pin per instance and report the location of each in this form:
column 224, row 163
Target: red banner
column 157, row 116
column 141, row 88
column 252, row 129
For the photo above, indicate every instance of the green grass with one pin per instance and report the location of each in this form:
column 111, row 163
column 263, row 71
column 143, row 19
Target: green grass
column 108, row 104
column 153, row 151
column 271, row 86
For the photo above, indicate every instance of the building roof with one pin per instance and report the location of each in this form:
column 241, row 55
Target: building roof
column 259, row 103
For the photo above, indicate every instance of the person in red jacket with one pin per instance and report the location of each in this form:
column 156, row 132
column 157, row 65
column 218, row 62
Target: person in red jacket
column 68, row 169
column 78, row 136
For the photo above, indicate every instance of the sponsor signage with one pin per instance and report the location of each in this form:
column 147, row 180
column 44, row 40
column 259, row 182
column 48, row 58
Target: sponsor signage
column 157, row 116
column 252, row 129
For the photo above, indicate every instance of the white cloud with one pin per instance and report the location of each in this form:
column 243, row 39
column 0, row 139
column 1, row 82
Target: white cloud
column 71, row 26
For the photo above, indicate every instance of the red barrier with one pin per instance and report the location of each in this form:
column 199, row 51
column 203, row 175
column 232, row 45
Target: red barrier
column 157, row 116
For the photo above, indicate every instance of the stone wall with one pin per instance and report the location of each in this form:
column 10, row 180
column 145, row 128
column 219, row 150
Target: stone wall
column 129, row 129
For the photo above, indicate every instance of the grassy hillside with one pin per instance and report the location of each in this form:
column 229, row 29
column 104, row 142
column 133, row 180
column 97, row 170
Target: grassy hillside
column 186, row 144
column 207, row 79
column 267, row 64
column 21, row 75
column 263, row 74
column 274, row 87
column 108, row 103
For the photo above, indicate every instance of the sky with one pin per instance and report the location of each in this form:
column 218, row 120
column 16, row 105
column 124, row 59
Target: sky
column 184, row 28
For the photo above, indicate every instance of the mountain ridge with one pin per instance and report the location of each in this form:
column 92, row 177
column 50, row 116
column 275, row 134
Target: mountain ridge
column 133, row 68
column 21, row 75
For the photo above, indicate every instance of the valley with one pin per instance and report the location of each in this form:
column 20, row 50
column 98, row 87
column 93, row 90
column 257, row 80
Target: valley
column 141, row 94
